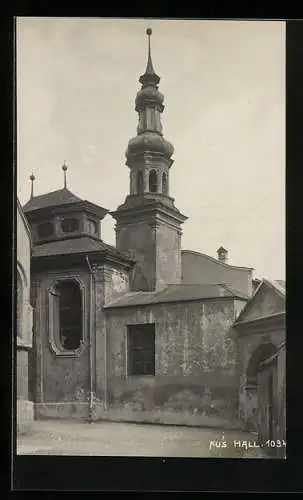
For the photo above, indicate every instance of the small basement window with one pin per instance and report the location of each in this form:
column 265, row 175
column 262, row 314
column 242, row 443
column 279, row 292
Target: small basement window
column 141, row 349
column 70, row 225
column 45, row 230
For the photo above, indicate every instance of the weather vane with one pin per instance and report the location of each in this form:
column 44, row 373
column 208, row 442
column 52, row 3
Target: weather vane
column 64, row 168
column 32, row 178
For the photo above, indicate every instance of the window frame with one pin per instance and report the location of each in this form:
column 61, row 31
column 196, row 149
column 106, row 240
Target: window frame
column 153, row 173
column 130, row 350
column 69, row 219
column 55, row 344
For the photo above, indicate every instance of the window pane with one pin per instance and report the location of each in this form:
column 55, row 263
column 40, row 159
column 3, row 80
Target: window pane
column 69, row 225
column 141, row 349
column 153, row 182
column 70, row 314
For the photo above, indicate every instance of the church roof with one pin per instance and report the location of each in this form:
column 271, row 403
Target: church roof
column 59, row 197
column 176, row 293
column 77, row 245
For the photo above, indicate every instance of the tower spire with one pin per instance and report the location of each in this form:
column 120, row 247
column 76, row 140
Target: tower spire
column 156, row 245
column 32, row 178
column 149, row 77
column 64, row 168
column 149, row 67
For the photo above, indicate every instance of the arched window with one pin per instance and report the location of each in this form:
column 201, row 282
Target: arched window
column 153, row 182
column 19, row 305
column 69, row 302
column 70, row 225
column 140, row 183
column 164, row 183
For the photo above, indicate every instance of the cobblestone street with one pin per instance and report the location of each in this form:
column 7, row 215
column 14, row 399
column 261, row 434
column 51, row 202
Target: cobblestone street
column 127, row 439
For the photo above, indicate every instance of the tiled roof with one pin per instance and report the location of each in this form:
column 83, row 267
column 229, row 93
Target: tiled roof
column 59, row 197
column 175, row 293
column 81, row 244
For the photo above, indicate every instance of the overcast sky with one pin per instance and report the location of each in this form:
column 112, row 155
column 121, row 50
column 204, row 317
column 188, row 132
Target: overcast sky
column 224, row 88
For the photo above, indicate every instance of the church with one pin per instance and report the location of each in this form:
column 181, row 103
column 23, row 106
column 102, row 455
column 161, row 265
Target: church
column 145, row 331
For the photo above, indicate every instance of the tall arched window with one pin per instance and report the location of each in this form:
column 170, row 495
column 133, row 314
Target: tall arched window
column 153, row 182
column 19, row 305
column 164, row 183
column 69, row 310
column 140, row 183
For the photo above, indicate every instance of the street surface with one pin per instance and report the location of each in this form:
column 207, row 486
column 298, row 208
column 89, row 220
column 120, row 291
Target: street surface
column 61, row 437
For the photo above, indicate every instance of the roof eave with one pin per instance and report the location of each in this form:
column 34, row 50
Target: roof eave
column 105, row 255
column 85, row 205
column 173, row 301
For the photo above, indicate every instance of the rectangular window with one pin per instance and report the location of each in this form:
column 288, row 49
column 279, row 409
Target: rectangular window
column 141, row 349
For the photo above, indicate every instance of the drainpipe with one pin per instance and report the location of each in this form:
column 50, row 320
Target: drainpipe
column 105, row 367
column 90, row 404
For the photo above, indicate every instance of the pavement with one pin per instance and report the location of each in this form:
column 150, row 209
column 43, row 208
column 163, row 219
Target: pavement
column 62, row 437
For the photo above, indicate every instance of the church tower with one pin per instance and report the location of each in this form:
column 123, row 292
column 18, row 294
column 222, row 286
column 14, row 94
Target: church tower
column 148, row 225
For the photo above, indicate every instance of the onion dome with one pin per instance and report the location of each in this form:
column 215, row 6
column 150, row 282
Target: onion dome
column 149, row 106
column 149, row 142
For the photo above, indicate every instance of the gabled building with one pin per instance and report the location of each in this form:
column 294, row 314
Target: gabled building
column 262, row 340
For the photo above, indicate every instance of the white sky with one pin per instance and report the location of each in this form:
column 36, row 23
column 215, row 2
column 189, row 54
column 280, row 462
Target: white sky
column 224, row 88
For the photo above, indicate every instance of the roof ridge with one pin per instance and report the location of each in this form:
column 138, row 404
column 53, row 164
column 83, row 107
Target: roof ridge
column 52, row 192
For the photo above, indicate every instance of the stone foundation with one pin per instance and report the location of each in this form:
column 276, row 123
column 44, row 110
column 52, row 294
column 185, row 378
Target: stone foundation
column 25, row 416
column 62, row 410
column 165, row 417
column 80, row 411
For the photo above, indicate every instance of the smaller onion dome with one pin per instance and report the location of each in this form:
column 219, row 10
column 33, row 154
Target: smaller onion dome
column 149, row 95
column 149, row 142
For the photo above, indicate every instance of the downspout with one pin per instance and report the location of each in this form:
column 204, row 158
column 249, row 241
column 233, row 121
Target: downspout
column 105, row 367
column 90, row 334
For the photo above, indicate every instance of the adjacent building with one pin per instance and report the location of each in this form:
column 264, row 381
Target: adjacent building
column 262, row 340
column 23, row 324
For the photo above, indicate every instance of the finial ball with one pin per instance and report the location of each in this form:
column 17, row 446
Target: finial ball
column 149, row 31
column 32, row 177
column 64, row 168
